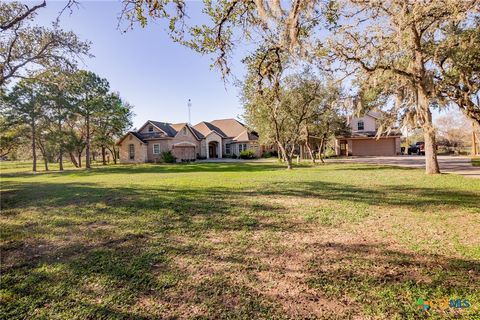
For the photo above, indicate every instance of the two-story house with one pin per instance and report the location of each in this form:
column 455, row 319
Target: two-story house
column 214, row 139
column 363, row 140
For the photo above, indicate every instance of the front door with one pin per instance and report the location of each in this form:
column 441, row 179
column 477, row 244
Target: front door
column 343, row 148
column 212, row 150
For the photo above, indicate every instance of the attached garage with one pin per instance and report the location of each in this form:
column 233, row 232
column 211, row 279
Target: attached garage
column 373, row 147
column 184, row 151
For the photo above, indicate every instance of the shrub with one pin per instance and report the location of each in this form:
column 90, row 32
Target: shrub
column 329, row 153
column 168, row 157
column 270, row 154
column 234, row 156
column 247, row 154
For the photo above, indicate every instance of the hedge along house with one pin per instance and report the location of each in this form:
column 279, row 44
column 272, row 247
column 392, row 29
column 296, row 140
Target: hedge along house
column 363, row 140
column 205, row 140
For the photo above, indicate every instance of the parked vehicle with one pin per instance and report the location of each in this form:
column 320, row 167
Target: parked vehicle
column 417, row 148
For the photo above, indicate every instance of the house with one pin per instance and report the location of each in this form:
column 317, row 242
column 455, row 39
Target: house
column 363, row 140
column 205, row 140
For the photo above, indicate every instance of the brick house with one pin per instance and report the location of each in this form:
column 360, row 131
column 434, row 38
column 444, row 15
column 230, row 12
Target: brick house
column 214, row 139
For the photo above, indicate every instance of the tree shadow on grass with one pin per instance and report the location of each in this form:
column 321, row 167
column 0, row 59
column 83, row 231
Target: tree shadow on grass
column 137, row 277
column 22, row 194
column 388, row 283
column 161, row 169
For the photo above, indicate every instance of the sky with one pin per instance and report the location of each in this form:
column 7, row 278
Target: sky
column 149, row 70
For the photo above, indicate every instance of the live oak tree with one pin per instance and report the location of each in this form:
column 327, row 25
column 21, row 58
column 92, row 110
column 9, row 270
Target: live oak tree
column 113, row 119
column 392, row 40
column 279, row 108
column 25, row 48
column 327, row 118
column 456, row 58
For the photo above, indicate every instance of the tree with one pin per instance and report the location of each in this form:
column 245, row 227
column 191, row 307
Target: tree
column 25, row 48
column 279, row 108
column 57, row 86
column 12, row 136
column 113, row 120
column 454, row 130
column 456, row 55
column 391, row 41
column 89, row 92
column 24, row 105
column 325, row 120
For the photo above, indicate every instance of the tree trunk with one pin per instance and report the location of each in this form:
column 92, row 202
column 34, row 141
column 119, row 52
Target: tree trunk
column 285, row 156
column 44, row 153
column 72, row 158
column 87, row 150
column 80, row 159
column 431, row 162
column 104, row 160
column 60, row 149
column 320, row 151
column 46, row 162
column 113, row 152
column 309, row 149
column 60, row 159
column 34, row 149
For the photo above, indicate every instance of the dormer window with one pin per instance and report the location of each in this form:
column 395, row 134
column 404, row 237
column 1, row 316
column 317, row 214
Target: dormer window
column 150, row 128
column 360, row 125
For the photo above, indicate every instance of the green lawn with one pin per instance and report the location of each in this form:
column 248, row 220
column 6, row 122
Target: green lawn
column 241, row 241
column 476, row 162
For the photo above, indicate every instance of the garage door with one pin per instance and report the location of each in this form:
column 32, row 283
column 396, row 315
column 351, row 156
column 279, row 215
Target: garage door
column 184, row 153
column 373, row 147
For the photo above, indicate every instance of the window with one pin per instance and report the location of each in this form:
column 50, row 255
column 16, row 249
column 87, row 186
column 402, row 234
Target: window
column 150, row 129
column 131, row 151
column 156, row 148
column 227, row 148
column 240, row 147
column 244, row 147
column 184, row 131
column 360, row 125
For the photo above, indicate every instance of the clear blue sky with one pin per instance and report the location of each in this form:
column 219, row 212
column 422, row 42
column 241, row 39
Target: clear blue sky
column 149, row 70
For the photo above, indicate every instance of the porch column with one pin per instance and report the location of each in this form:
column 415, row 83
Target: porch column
column 207, row 149
column 220, row 149
column 337, row 147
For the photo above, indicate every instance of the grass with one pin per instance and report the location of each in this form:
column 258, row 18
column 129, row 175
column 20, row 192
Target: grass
column 476, row 162
column 237, row 241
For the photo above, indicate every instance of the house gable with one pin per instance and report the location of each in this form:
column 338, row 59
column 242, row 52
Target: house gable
column 184, row 130
column 132, row 136
column 230, row 127
column 369, row 123
column 150, row 127
column 205, row 128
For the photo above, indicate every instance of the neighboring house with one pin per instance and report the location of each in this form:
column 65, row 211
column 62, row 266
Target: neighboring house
column 363, row 139
column 215, row 139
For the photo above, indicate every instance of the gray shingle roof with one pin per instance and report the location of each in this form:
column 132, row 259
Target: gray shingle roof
column 165, row 127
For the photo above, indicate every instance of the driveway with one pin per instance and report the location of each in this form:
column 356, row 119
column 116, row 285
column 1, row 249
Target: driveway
column 448, row 164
